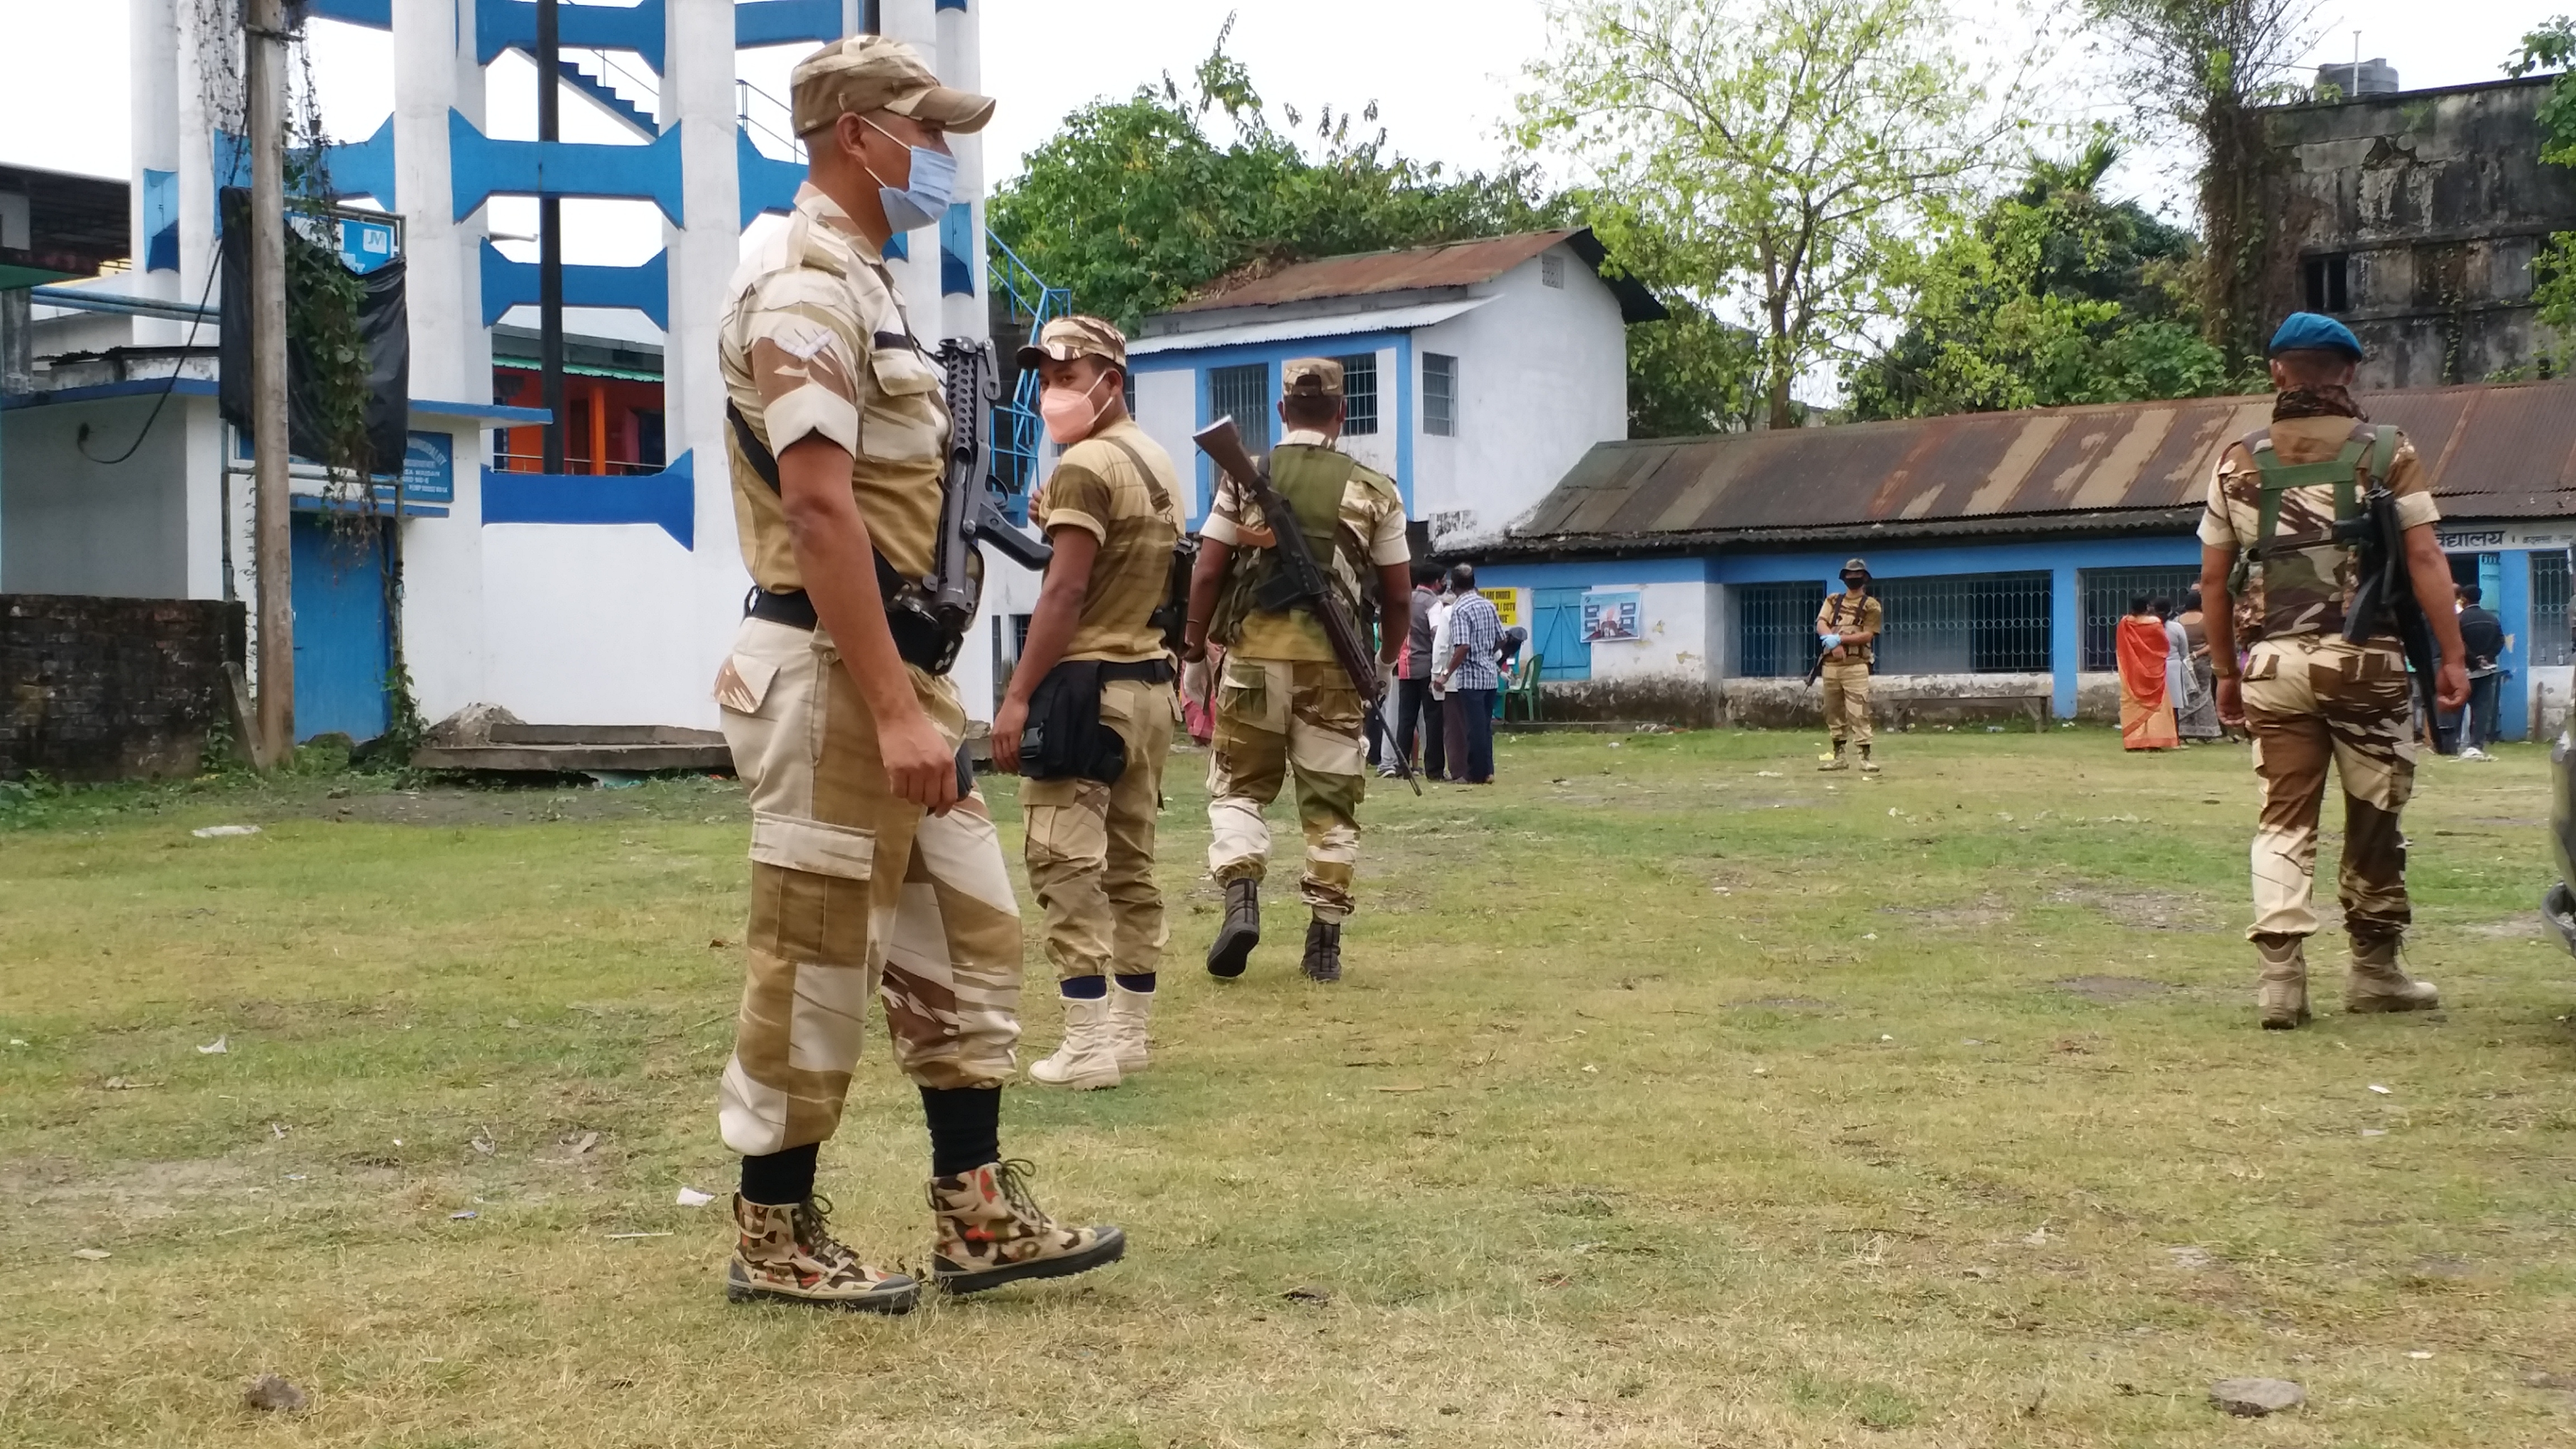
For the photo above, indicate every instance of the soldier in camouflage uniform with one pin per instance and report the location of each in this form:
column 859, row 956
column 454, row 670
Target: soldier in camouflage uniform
column 1847, row 628
column 1112, row 510
column 873, row 874
column 2309, row 697
column 1283, row 704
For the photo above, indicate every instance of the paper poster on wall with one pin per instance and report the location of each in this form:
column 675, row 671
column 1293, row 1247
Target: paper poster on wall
column 1507, row 603
column 1612, row 616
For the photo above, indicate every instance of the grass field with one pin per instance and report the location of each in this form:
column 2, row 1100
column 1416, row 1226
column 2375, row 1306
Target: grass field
column 1680, row 1095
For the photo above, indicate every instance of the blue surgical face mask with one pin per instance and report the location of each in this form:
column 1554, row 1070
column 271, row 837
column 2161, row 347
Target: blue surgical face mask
column 934, row 186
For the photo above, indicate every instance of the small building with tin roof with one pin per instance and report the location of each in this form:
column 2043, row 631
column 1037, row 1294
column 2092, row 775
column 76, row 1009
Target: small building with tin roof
column 1678, row 579
column 1477, row 372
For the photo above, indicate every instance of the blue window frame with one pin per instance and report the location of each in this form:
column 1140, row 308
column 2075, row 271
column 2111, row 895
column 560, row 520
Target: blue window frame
column 957, row 251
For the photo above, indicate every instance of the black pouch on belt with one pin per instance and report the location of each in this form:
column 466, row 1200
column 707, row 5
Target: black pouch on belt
column 1066, row 738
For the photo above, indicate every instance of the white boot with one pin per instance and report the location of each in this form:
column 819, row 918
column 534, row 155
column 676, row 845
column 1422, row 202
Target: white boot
column 1089, row 1056
column 1128, row 1011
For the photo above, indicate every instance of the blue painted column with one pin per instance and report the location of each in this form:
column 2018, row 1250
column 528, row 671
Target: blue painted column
column 2065, row 637
column 2513, row 606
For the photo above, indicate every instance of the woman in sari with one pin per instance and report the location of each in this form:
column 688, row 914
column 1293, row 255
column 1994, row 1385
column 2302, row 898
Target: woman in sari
column 2146, row 710
column 2196, row 708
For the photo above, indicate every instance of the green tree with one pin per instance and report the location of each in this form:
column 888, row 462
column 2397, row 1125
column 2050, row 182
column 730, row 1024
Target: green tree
column 2206, row 69
column 2053, row 295
column 1134, row 206
column 2553, row 47
column 1778, row 157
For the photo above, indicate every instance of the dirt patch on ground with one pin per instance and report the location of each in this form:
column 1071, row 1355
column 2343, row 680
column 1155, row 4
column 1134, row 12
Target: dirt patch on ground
column 1782, row 1003
column 1986, row 913
column 2113, row 990
column 2144, row 910
column 139, row 1190
column 2511, row 928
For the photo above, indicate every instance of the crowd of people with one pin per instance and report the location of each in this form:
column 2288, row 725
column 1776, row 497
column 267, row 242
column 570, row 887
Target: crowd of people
column 2168, row 694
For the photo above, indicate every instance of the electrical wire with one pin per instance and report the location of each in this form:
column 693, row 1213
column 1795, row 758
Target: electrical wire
column 214, row 269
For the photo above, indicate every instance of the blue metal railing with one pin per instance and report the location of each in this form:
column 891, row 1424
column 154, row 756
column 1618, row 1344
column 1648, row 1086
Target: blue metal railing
column 1017, row 430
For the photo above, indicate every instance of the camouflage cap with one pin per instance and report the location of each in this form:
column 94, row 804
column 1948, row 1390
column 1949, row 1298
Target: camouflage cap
column 871, row 73
column 1310, row 377
column 1858, row 566
column 1067, row 338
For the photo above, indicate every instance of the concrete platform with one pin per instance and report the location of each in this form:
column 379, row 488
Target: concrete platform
column 576, row 749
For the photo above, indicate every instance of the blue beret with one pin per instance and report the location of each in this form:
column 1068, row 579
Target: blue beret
column 2307, row 331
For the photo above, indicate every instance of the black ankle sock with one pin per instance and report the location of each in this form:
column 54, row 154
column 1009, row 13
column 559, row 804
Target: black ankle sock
column 780, row 1178
column 965, row 1128
column 1141, row 982
column 1084, row 988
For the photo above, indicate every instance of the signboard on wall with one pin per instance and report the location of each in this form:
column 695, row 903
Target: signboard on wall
column 1613, row 616
column 2483, row 538
column 1507, row 603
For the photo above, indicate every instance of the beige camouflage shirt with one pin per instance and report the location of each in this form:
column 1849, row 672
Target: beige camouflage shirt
column 815, row 343
column 1840, row 617
column 1096, row 487
column 2304, row 588
column 1371, row 536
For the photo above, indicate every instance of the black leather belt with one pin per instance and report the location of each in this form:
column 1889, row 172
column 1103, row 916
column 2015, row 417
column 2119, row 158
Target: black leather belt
column 916, row 640
column 1150, row 671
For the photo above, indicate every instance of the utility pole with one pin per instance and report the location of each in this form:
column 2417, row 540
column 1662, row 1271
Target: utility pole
column 550, row 344
column 264, row 51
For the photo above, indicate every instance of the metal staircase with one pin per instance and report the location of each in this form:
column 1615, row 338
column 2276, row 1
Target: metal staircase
column 608, row 89
column 1020, row 297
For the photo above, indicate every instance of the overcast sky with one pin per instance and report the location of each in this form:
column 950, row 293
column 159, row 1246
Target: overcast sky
column 1443, row 73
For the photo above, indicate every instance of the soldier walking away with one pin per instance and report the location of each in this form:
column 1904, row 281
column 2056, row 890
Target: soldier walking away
column 876, row 871
column 1284, row 706
column 1847, row 628
column 2275, row 574
column 1097, row 653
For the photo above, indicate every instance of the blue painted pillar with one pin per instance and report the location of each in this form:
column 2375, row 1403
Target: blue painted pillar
column 2065, row 636
column 2513, row 607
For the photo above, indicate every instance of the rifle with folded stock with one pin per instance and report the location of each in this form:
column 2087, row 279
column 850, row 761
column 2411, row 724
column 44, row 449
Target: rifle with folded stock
column 1299, row 582
column 968, row 512
column 2384, row 602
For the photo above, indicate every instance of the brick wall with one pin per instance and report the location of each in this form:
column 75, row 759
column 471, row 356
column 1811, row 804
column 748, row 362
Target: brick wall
column 104, row 689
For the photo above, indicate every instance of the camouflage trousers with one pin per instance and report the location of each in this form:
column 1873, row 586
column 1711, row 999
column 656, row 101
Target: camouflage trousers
column 855, row 894
column 1847, row 700
column 1275, row 717
column 2311, row 699
column 1091, row 846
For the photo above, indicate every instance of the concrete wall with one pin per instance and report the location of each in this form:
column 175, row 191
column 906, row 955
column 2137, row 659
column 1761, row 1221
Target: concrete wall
column 144, row 528
column 105, row 689
column 2440, row 201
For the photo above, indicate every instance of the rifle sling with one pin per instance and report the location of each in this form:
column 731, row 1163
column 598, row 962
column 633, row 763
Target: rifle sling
column 916, row 638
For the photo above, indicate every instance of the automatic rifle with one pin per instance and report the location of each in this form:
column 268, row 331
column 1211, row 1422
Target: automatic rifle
column 2384, row 602
column 1298, row 582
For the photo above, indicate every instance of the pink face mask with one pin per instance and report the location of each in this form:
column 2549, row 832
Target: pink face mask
column 1070, row 416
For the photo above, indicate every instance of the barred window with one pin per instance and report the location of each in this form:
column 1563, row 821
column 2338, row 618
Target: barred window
column 2106, row 594
column 1359, row 391
column 1964, row 624
column 1775, row 629
column 1243, row 394
column 1439, row 395
column 2549, row 641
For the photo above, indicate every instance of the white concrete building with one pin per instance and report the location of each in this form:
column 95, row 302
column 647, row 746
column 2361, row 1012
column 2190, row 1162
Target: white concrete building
column 1478, row 372
column 591, row 598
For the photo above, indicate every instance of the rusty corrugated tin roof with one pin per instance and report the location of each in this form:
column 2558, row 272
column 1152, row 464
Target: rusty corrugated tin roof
column 1450, row 264
column 2494, row 450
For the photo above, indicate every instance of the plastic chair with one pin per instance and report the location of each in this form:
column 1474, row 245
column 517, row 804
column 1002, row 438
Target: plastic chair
column 1522, row 687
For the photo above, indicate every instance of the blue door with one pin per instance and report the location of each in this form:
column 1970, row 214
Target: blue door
column 1556, row 632
column 343, row 638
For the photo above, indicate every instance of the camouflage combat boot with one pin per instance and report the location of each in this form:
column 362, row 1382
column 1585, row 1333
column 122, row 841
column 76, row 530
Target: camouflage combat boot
column 2283, row 994
column 1835, row 761
column 1232, row 949
column 992, row 1232
column 2377, row 983
column 786, row 1252
column 1089, row 1056
column 1868, row 766
column 1323, row 951
column 1129, row 1012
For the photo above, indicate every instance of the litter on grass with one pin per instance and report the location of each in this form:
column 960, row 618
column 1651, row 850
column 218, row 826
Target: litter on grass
column 218, row 1047
column 691, row 1197
column 89, row 1255
column 219, row 832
